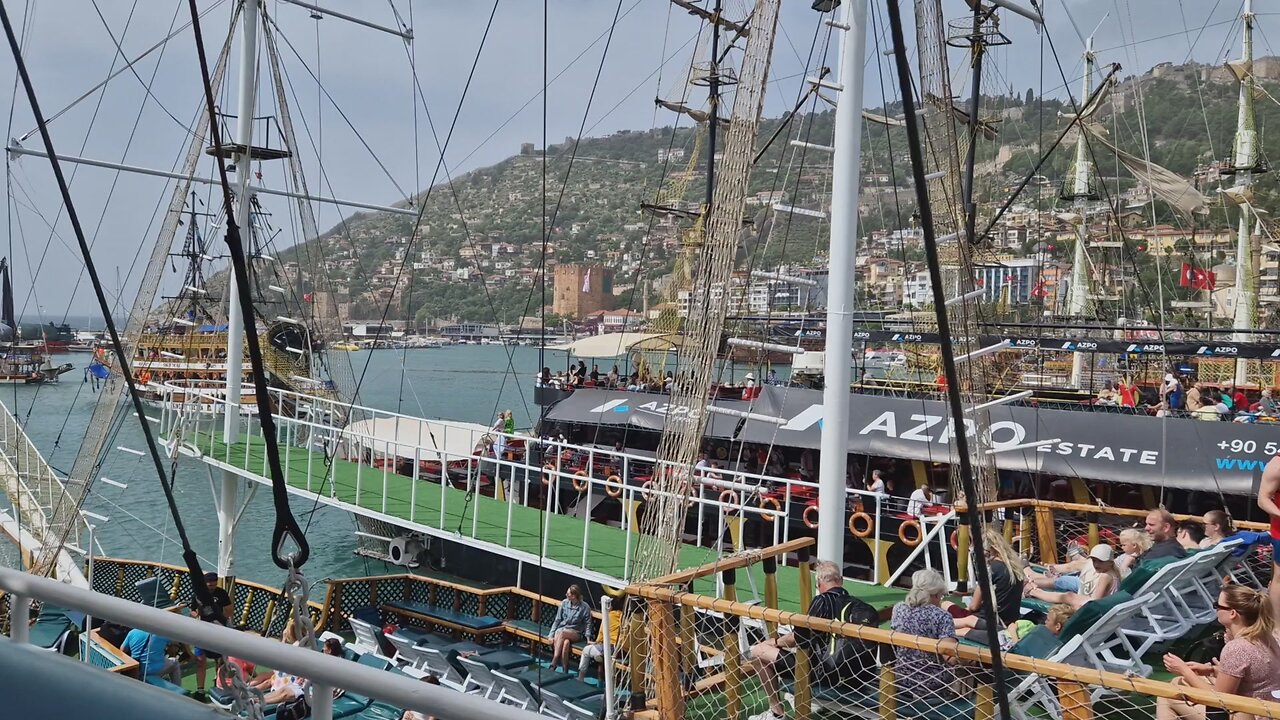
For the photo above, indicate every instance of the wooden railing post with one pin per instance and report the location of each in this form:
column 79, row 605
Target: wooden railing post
column 804, row 693
column 771, row 590
column 688, row 645
column 888, row 693
column 1074, row 699
column 1046, row 535
column 638, row 651
column 984, row 703
column 665, row 657
column 732, row 653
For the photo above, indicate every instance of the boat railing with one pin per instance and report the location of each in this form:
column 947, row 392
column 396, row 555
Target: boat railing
column 894, row 673
column 1045, row 531
column 38, row 502
column 325, row 672
column 256, row 607
column 547, row 474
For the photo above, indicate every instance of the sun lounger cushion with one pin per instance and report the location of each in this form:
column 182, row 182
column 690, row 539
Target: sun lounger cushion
column 1142, row 574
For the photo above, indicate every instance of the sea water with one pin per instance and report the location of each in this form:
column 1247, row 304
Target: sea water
column 465, row 383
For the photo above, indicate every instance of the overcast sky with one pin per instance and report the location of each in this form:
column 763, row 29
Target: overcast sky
column 361, row 138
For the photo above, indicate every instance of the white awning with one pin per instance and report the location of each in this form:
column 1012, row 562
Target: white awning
column 617, row 344
column 411, row 438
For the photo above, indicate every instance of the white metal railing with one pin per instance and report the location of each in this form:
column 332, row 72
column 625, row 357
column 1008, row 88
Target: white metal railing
column 318, row 430
column 324, row 671
column 39, row 501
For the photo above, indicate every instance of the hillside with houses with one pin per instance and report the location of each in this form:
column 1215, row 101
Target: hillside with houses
column 475, row 253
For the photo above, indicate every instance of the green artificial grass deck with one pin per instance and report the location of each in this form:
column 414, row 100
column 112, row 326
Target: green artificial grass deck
column 486, row 518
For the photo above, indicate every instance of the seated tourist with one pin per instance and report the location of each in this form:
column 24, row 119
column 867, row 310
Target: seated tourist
column 1097, row 580
column 1054, row 620
column 1267, row 405
column 1134, row 543
column 1217, row 527
column 921, row 498
column 1107, row 395
column 774, row 657
column 1005, row 568
column 1249, row 664
column 1189, row 534
column 429, row 679
column 595, row 651
column 572, row 623
column 1160, row 526
column 149, row 650
column 924, row 675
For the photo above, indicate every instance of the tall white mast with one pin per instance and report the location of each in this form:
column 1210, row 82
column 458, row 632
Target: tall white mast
column 1244, row 159
column 845, row 181
column 235, row 319
column 1078, row 298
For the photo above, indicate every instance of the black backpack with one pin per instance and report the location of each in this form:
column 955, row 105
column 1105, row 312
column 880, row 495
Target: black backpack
column 845, row 659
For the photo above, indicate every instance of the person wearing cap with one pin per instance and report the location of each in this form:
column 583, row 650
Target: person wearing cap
column 1098, row 578
column 223, row 600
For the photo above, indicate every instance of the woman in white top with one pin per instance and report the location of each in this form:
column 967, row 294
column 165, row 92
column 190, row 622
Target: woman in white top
column 1098, row 579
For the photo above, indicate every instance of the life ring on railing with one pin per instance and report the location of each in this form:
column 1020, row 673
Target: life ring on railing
column 914, row 540
column 811, row 523
column 580, row 485
column 954, row 540
column 764, row 502
column 546, row 480
column 858, row 528
column 144, row 377
column 614, row 488
column 646, row 490
column 730, row 498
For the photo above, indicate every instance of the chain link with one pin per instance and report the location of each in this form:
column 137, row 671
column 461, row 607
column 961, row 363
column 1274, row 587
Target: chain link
column 246, row 701
column 295, row 587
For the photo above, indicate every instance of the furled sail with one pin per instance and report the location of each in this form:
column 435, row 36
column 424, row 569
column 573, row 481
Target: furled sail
column 1167, row 185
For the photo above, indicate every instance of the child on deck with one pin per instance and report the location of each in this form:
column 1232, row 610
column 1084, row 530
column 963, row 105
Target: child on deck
column 1056, row 618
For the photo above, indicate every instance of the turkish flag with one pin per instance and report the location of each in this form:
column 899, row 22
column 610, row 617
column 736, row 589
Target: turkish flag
column 1197, row 277
column 1039, row 291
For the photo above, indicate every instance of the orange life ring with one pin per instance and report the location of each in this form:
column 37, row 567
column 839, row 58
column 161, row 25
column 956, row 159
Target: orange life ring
column 614, row 488
column 145, row 377
column 954, row 540
column 902, row 533
column 729, row 497
column 549, row 468
column 858, row 529
column 580, row 485
column 764, row 502
column 810, row 522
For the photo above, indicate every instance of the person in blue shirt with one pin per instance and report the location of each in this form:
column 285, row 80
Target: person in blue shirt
column 572, row 623
column 149, row 650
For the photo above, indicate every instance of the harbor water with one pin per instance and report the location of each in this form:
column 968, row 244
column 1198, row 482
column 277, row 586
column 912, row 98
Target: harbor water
column 465, row 382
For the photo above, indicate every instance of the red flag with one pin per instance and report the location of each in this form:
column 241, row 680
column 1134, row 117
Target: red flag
column 306, row 297
column 1039, row 291
column 1197, row 277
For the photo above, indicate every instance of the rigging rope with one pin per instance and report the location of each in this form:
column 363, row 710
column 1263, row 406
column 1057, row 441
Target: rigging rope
column 207, row 607
column 286, row 526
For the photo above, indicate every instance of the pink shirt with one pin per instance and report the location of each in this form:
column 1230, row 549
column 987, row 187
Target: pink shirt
column 1256, row 665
